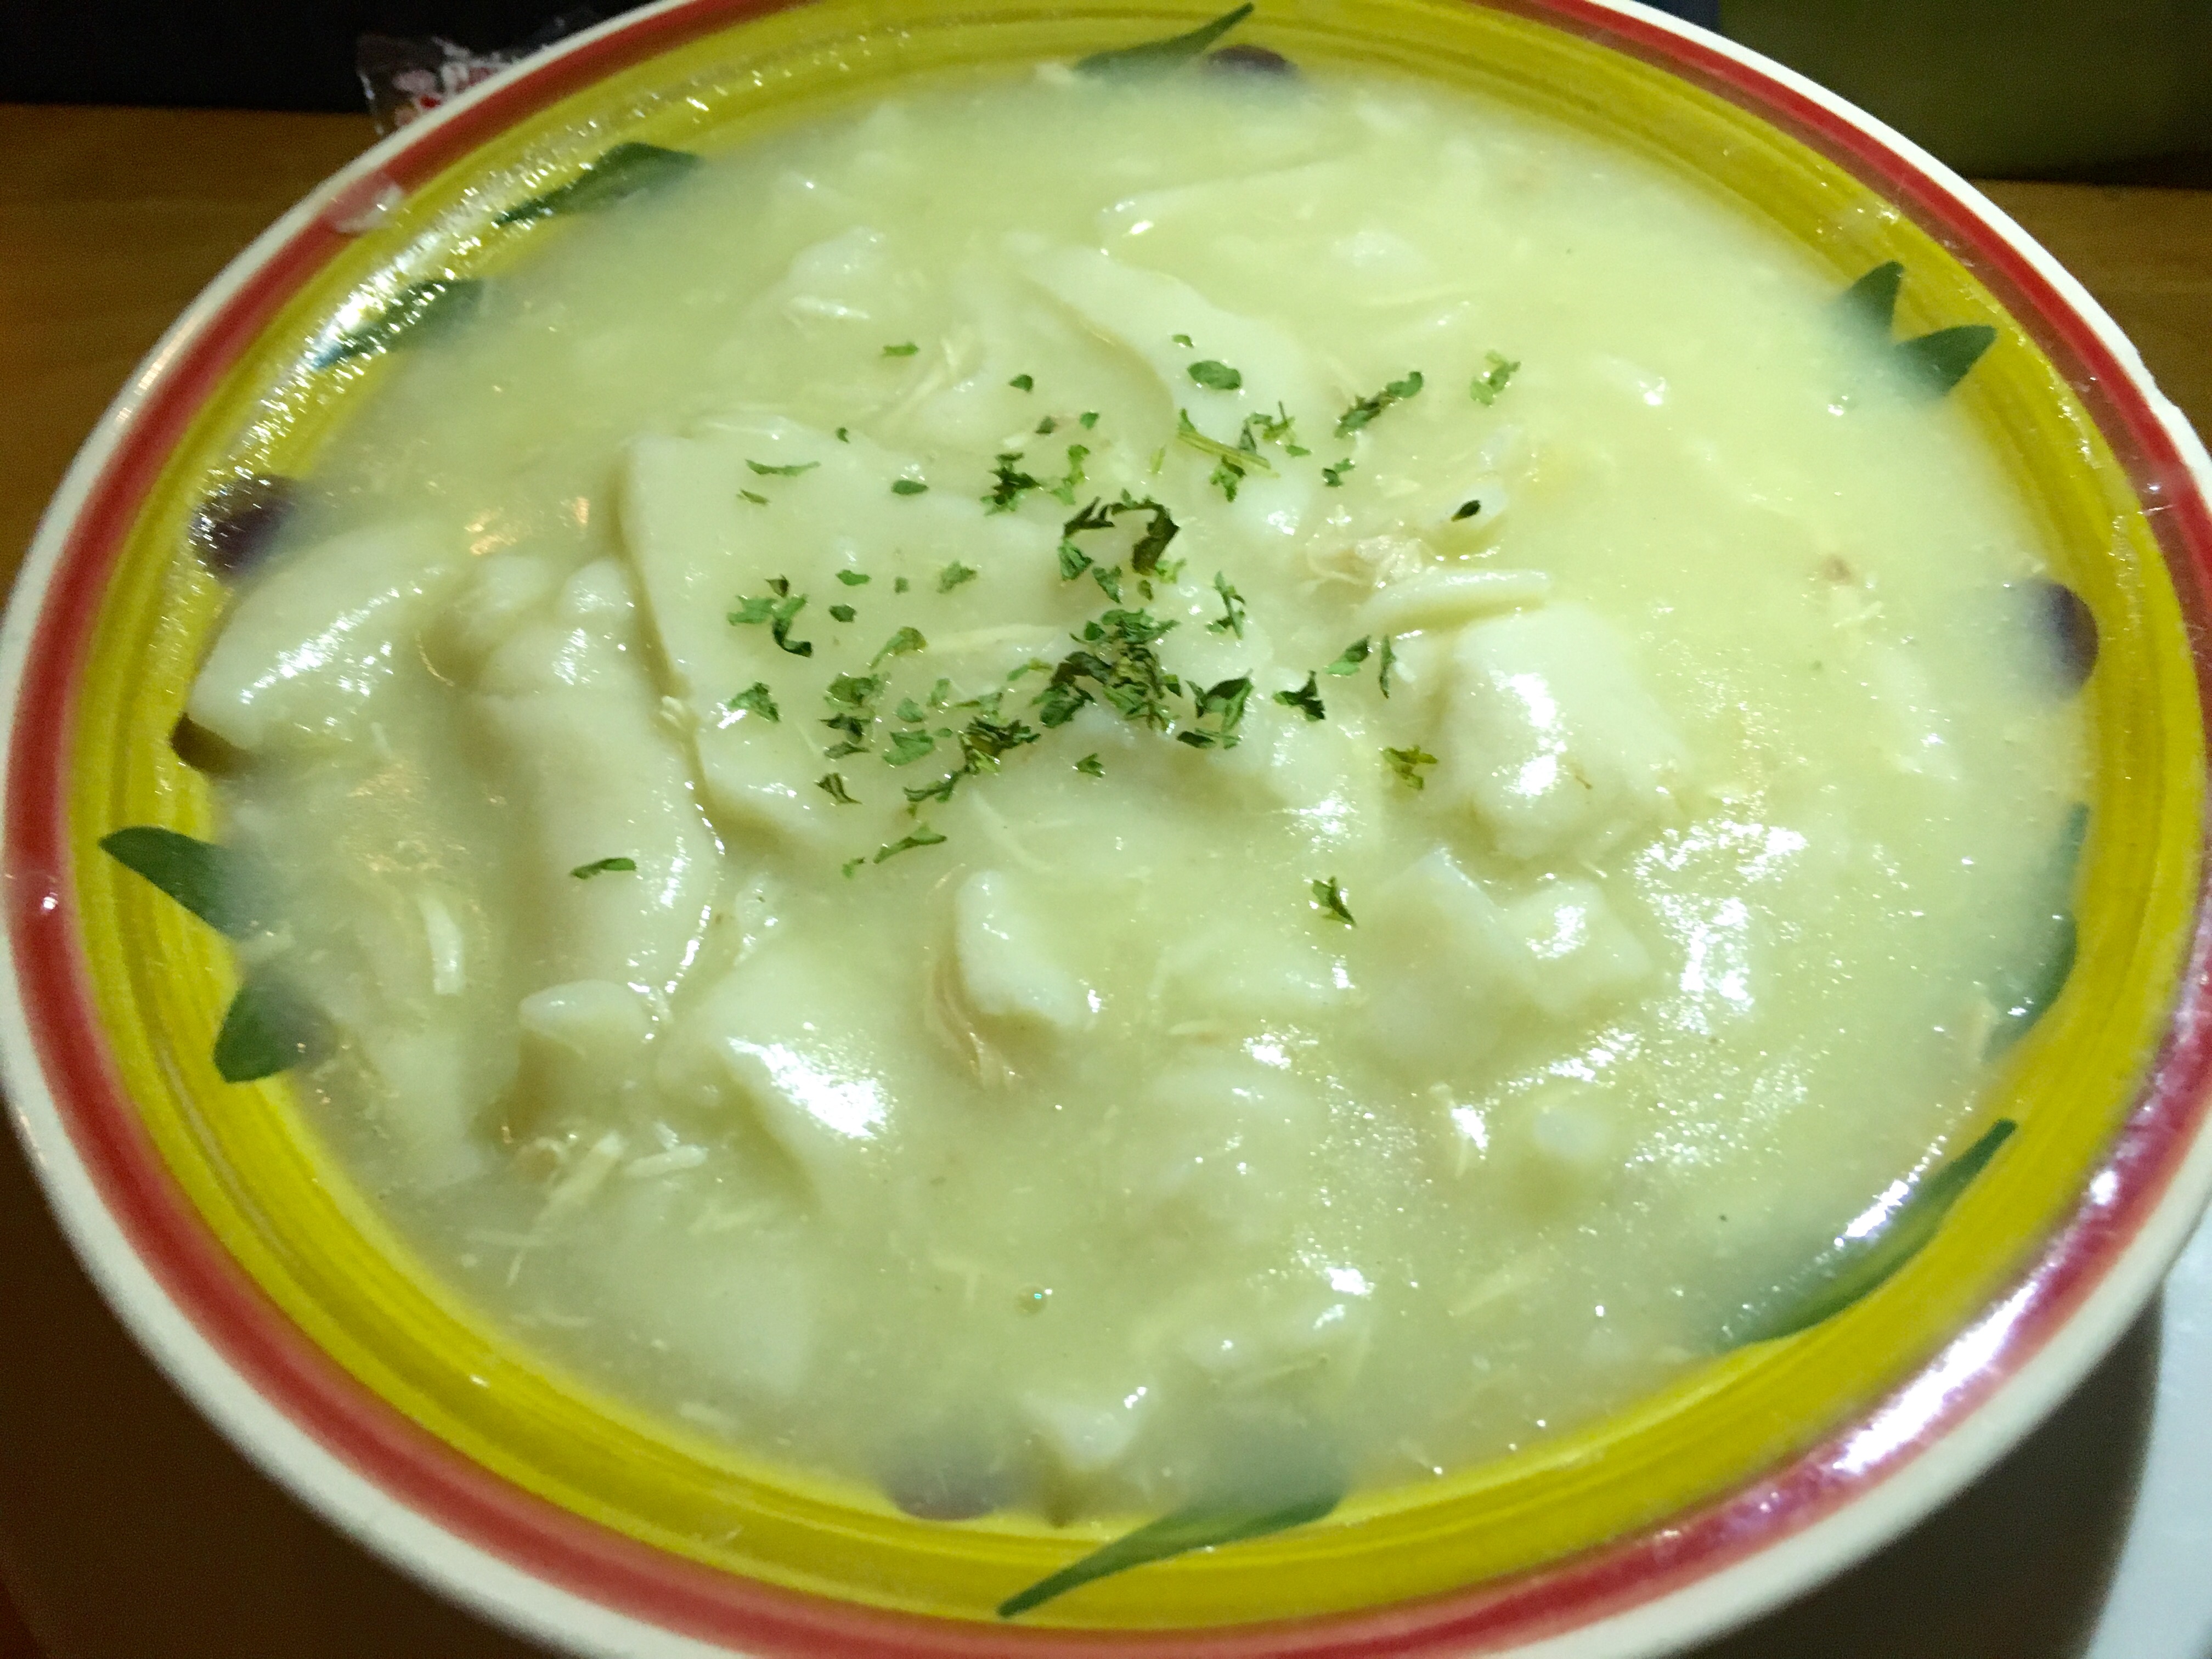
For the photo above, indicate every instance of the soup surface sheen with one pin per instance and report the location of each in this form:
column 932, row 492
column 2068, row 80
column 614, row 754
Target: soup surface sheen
column 847, row 931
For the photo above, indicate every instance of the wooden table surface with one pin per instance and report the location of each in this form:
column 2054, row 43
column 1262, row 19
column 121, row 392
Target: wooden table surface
column 129, row 1530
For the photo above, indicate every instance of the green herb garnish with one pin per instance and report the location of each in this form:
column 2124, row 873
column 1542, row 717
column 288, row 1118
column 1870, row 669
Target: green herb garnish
column 1088, row 419
column 790, row 472
column 1389, row 658
column 1092, row 766
column 953, row 574
column 1486, row 387
column 907, row 487
column 832, row 784
column 1352, row 656
column 843, row 613
column 1009, row 484
column 754, row 497
column 1306, row 700
column 1467, row 509
column 1333, row 475
column 844, row 434
column 1216, row 376
column 1276, row 428
column 1405, row 765
column 1180, row 339
column 908, row 747
column 1118, row 663
column 852, row 699
column 853, row 578
column 1350, row 660
column 601, row 867
column 1046, row 426
column 907, row 350
column 755, row 699
column 1223, row 705
column 1064, row 491
column 904, row 643
column 1369, row 407
column 1328, row 898
column 899, row 584
column 1232, row 461
column 1022, row 383
column 623, row 170
column 778, row 608
column 923, row 836
column 1231, row 620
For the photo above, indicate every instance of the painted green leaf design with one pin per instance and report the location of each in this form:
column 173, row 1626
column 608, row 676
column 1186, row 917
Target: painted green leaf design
column 1155, row 55
column 1931, row 363
column 623, row 171
column 1204, row 1525
column 1854, row 1267
column 1873, row 299
column 2045, row 964
column 416, row 311
column 216, row 884
column 1938, row 361
column 271, row 1028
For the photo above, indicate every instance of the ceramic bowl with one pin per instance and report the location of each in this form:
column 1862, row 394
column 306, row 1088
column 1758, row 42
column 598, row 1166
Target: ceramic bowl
column 276, row 1295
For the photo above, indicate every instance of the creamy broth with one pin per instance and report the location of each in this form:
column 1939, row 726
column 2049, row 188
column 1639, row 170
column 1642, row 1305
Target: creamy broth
column 1231, row 1057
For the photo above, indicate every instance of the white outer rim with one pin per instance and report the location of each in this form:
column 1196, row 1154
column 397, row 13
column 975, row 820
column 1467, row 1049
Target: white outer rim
column 542, row 1612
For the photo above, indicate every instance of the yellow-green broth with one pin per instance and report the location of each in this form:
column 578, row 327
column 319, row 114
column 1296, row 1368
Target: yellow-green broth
column 1198, row 1096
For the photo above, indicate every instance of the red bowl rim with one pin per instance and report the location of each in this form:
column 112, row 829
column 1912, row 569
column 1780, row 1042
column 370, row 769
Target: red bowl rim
column 562, row 1579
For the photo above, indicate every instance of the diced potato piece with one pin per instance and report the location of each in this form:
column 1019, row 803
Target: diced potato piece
column 1550, row 739
column 1447, row 973
column 581, row 751
column 1583, row 953
column 311, row 645
column 1007, row 968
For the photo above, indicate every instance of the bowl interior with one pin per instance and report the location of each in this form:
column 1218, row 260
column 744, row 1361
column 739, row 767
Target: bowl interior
column 251, row 1165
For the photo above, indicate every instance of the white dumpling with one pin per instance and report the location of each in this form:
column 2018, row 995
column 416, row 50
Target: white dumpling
column 1009, row 969
column 580, row 1042
column 790, row 1040
column 699, row 546
column 1547, row 736
column 313, row 643
column 1145, row 310
column 581, row 749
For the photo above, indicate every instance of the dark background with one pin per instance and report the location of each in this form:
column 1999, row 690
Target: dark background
column 268, row 54
column 235, row 54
